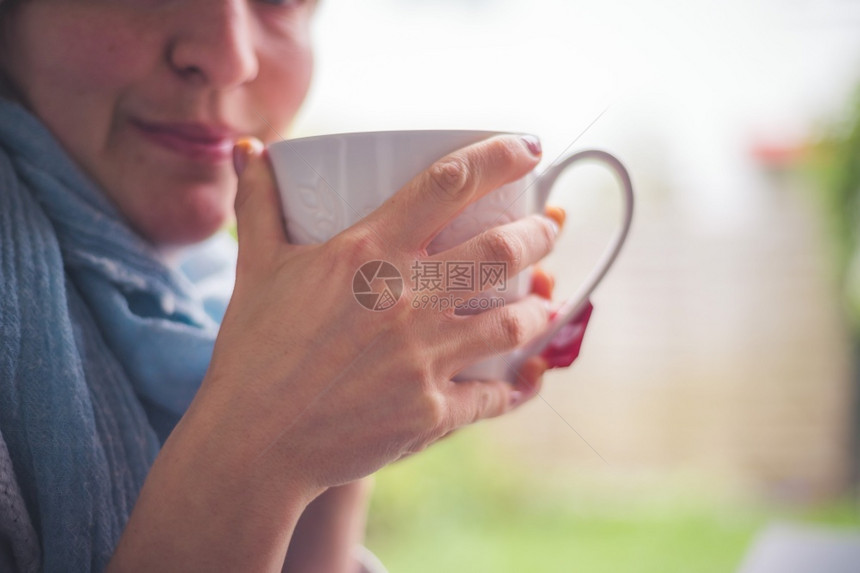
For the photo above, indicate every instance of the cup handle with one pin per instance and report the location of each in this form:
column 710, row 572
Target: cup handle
column 574, row 306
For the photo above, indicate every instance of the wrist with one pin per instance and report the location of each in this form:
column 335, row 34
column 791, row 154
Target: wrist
column 203, row 490
column 249, row 447
column 240, row 457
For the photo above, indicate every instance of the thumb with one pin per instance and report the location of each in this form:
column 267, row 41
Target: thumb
column 259, row 222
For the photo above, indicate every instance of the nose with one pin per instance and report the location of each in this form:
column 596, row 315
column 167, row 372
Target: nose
column 214, row 43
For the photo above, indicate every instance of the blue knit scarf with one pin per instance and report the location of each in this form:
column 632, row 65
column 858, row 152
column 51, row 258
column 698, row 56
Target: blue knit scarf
column 102, row 344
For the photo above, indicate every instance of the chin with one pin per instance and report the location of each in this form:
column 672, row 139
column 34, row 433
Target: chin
column 198, row 217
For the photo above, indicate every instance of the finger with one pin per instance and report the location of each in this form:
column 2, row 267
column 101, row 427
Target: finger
column 259, row 223
column 410, row 454
column 529, row 380
column 514, row 246
column 543, row 283
column 416, row 213
column 473, row 400
column 557, row 214
column 494, row 332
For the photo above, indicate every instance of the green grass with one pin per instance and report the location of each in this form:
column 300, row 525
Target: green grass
column 456, row 508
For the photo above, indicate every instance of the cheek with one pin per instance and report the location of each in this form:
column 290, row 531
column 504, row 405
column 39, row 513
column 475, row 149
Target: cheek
column 79, row 51
column 109, row 62
column 285, row 83
column 72, row 68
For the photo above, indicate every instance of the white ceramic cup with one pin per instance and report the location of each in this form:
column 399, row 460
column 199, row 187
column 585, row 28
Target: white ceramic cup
column 328, row 183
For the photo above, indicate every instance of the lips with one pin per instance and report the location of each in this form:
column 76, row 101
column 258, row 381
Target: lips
column 195, row 141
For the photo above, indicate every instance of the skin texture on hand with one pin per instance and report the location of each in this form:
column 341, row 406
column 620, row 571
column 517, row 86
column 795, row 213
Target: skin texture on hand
column 334, row 522
column 385, row 384
column 307, row 389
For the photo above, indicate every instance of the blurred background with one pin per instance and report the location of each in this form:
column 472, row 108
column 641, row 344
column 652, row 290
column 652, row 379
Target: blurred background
column 717, row 389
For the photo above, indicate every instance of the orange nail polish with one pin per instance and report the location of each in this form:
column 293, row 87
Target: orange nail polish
column 244, row 147
column 557, row 214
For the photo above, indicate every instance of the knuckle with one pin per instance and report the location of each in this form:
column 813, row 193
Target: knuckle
column 415, row 369
column 356, row 245
column 450, row 178
column 484, row 406
column 433, row 410
column 504, row 247
column 512, row 328
column 504, row 151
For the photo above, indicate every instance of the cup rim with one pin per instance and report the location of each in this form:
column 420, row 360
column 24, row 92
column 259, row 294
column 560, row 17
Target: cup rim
column 394, row 132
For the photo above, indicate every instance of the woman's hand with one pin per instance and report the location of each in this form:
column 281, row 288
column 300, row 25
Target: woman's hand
column 335, row 521
column 307, row 389
column 334, row 391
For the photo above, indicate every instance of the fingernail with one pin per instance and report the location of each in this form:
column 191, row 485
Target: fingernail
column 544, row 365
column 553, row 225
column 557, row 214
column 516, row 396
column 533, row 143
column 242, row 149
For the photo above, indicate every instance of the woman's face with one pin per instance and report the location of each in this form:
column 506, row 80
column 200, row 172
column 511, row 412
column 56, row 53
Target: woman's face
column 149, row 95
